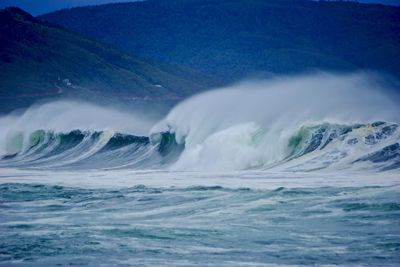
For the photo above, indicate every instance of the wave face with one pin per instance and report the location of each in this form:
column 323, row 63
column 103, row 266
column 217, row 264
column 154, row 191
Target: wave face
column 320, row 122
column 74, row 149
column 88, row 150
column 374, row 146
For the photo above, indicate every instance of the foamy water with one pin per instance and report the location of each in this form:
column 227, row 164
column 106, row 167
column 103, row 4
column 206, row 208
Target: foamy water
column 294, row 172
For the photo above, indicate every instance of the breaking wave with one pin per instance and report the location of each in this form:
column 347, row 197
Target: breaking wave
column 311, row 147
column 319, row 122
column 84, row 149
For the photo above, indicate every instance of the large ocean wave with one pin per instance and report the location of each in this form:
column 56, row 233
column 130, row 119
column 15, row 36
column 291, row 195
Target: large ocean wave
column 319, row 122
column 374, row 146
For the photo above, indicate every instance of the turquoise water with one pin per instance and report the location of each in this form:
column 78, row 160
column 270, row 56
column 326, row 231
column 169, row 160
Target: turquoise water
column 294, row 171
column 53, row 225
column 324, row 194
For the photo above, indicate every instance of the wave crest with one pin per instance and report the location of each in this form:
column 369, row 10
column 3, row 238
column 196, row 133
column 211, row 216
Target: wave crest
column 308, row 123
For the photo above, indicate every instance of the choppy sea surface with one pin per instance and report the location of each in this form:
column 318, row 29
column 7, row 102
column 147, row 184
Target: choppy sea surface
column 301, row 171
column 248, row 218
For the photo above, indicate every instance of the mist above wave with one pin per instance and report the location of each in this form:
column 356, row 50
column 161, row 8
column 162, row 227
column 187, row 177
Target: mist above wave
column 312, row 122
column 283, row 103
column 66, row 116
column 251, row 124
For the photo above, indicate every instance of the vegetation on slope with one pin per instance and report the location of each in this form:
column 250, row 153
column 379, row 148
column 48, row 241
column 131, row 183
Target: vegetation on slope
column 235, row 38
column 38, row 59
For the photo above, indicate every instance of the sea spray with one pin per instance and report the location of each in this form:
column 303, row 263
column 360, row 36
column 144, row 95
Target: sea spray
column 307, row 123
column 217, row 126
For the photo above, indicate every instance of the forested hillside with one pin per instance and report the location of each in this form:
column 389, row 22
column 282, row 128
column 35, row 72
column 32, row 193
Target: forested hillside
column 39, row 60
column 235, row 38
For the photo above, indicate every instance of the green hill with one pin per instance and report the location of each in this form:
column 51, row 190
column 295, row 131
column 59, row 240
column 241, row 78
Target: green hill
column 235, row 38
column 40, row 60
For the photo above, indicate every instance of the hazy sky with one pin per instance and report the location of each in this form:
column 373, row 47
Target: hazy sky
column 37, row 7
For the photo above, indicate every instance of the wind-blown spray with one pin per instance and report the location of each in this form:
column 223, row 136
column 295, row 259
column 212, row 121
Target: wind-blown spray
column 254, row 123
column 304, row 123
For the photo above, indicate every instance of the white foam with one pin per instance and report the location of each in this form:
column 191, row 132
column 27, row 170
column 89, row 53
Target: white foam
column 218, row 126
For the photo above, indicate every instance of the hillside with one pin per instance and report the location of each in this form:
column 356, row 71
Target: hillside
column 39, row 60
column 235, row 38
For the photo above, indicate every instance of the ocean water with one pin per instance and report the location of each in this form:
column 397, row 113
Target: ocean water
column 125, row 218
column 290, row 172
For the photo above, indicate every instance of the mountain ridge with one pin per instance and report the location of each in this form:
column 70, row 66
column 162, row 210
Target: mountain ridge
column 39, row 59
column 232, row 39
